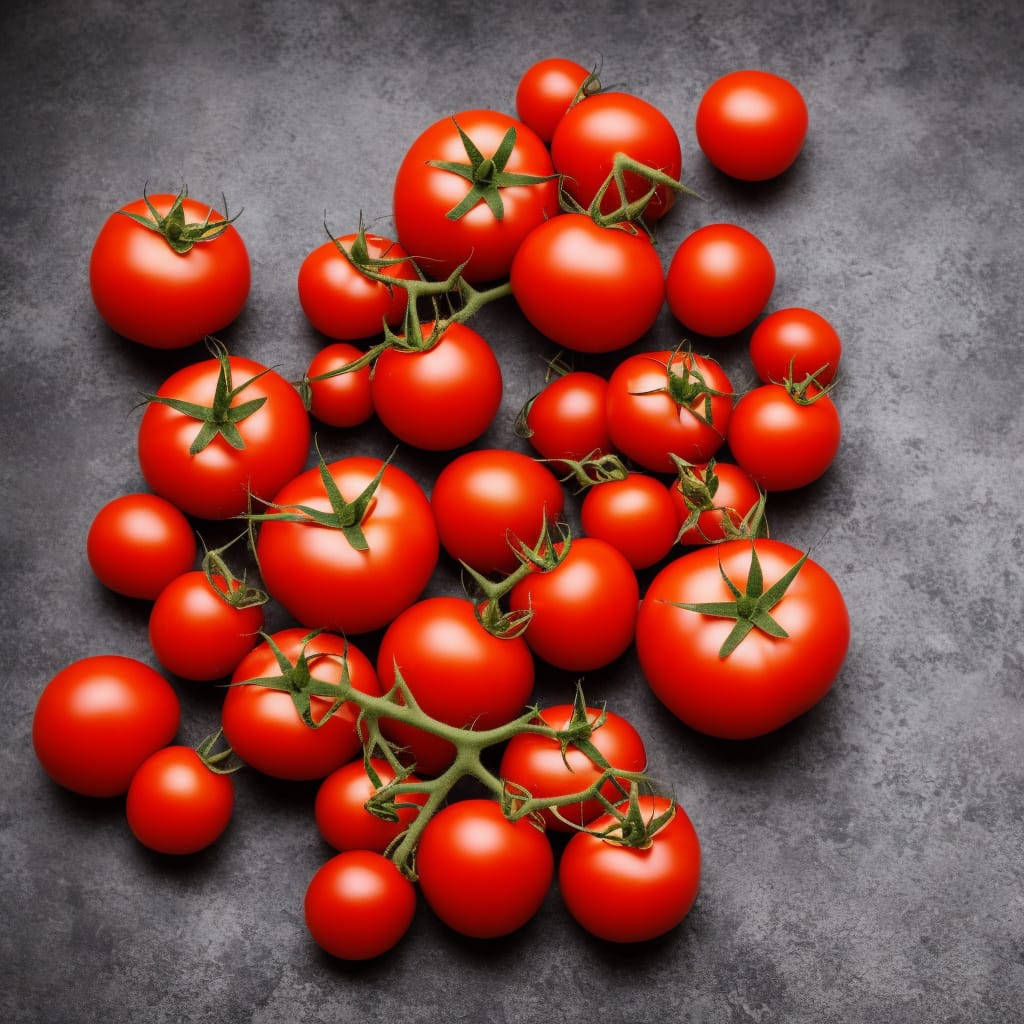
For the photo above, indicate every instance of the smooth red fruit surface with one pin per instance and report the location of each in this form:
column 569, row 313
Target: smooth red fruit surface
column 795, row 342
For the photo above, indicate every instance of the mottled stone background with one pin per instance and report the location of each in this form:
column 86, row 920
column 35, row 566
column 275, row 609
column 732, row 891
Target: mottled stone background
column 863, row 864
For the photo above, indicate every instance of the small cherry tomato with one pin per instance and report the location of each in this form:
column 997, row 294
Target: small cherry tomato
column 710, row 499
column 546, row 91
column 792, row 343
column 566, row 420
column 339, row 399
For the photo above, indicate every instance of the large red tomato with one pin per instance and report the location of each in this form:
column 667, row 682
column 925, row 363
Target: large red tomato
column 170, row 284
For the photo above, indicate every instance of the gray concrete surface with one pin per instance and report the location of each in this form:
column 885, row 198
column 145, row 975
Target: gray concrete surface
column 864, row 864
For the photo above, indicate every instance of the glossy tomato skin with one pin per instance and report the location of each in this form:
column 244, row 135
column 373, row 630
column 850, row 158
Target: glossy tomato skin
column 635, row 515
column 782, row 443
column 196, row 633
column 138, row 543
column 546, row 91
column 344, row 304
column 735, row 495
column 423, row 196
column 765, row 682
column 538, row 765
column 457, row 671
column 98, row 719
column 440, row 398
column 358, row 905
column 481, row 874
column 624, row 894
column 340, row 808
column 262, row 725
column 485, row 496
column 346, row 399
column 566, row 420
column 647, row 423
column 595, row 129
column 150, row 294
column 795, row 342
column 586, row 287
column 719, row 280
column 216, row 483
column 752, row 124
column 178, row 805
column 584, row 610
column 316, row 573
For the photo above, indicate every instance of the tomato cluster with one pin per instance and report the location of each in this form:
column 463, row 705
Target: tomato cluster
column 736, row 633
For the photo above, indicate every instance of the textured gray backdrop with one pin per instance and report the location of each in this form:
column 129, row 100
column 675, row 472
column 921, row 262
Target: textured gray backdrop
column 863, row 864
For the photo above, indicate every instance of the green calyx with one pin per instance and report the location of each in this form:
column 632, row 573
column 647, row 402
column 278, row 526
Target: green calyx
column 230, row 588
column 178, row 233
column 220, row 762
column 810, row 389
column 486, row 175
column 750, row 607
column 687, row 386
column 222, row 416
column 698, row 487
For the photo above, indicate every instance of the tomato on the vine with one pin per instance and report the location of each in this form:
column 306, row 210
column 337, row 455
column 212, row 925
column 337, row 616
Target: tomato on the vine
column 545, row 92
column 335, row 398
column 792, row 343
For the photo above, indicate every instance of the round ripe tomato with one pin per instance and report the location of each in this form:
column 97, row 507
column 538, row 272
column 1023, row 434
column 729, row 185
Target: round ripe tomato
column 721, row 493
column 781, row 442
column 98, row 719
column 628, row 894
column 635, row 515
column 428, row 199
column 751, row 124
column 457, row 671
column 442, row 397
column 595, row 129
column 485, row 498
column 584, row 610
column 546, row 91
column 719, row 279
column 138, row 543
column 317, row 573
column 538, row 765
column 196, row 632
column 344, row 304
column 664, row 403
column 586, row 287
column 177, row 804
column 359, row 905
column 342, row 400
column 216, row 481
column 340, row 807
column 481, row 874
column 262, row 724
column 795, row 342
column 766, row 680
column 566, row 420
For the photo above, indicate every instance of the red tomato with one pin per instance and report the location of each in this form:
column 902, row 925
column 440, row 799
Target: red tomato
column 664, row 403
column 627, row 894
column 195, row 630
column 484, row 498
column 98, row 719
column 138, row 543
column 546, row 91
column 344, row 304
column 539, row 765
column 440, row 398
column 766, row 680
column 793, row 343
column 483, row 875
column 429, row 199
column 177, row 804
column 344, row 399
column 751, row 124
column 720, row 278
column 566, row 420
column 340, row 807
column 716, row 494
column 784, row 443
column 457, row 671
column 586, row 287
column 584, row 610
column 150, row 293
column 359, row 905
column 315, row 570
column 595, row 129
column 635, row 515
column 253, row 451
column 262, row 724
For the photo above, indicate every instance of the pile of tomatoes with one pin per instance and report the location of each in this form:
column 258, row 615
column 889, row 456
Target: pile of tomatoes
column 737, row 633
